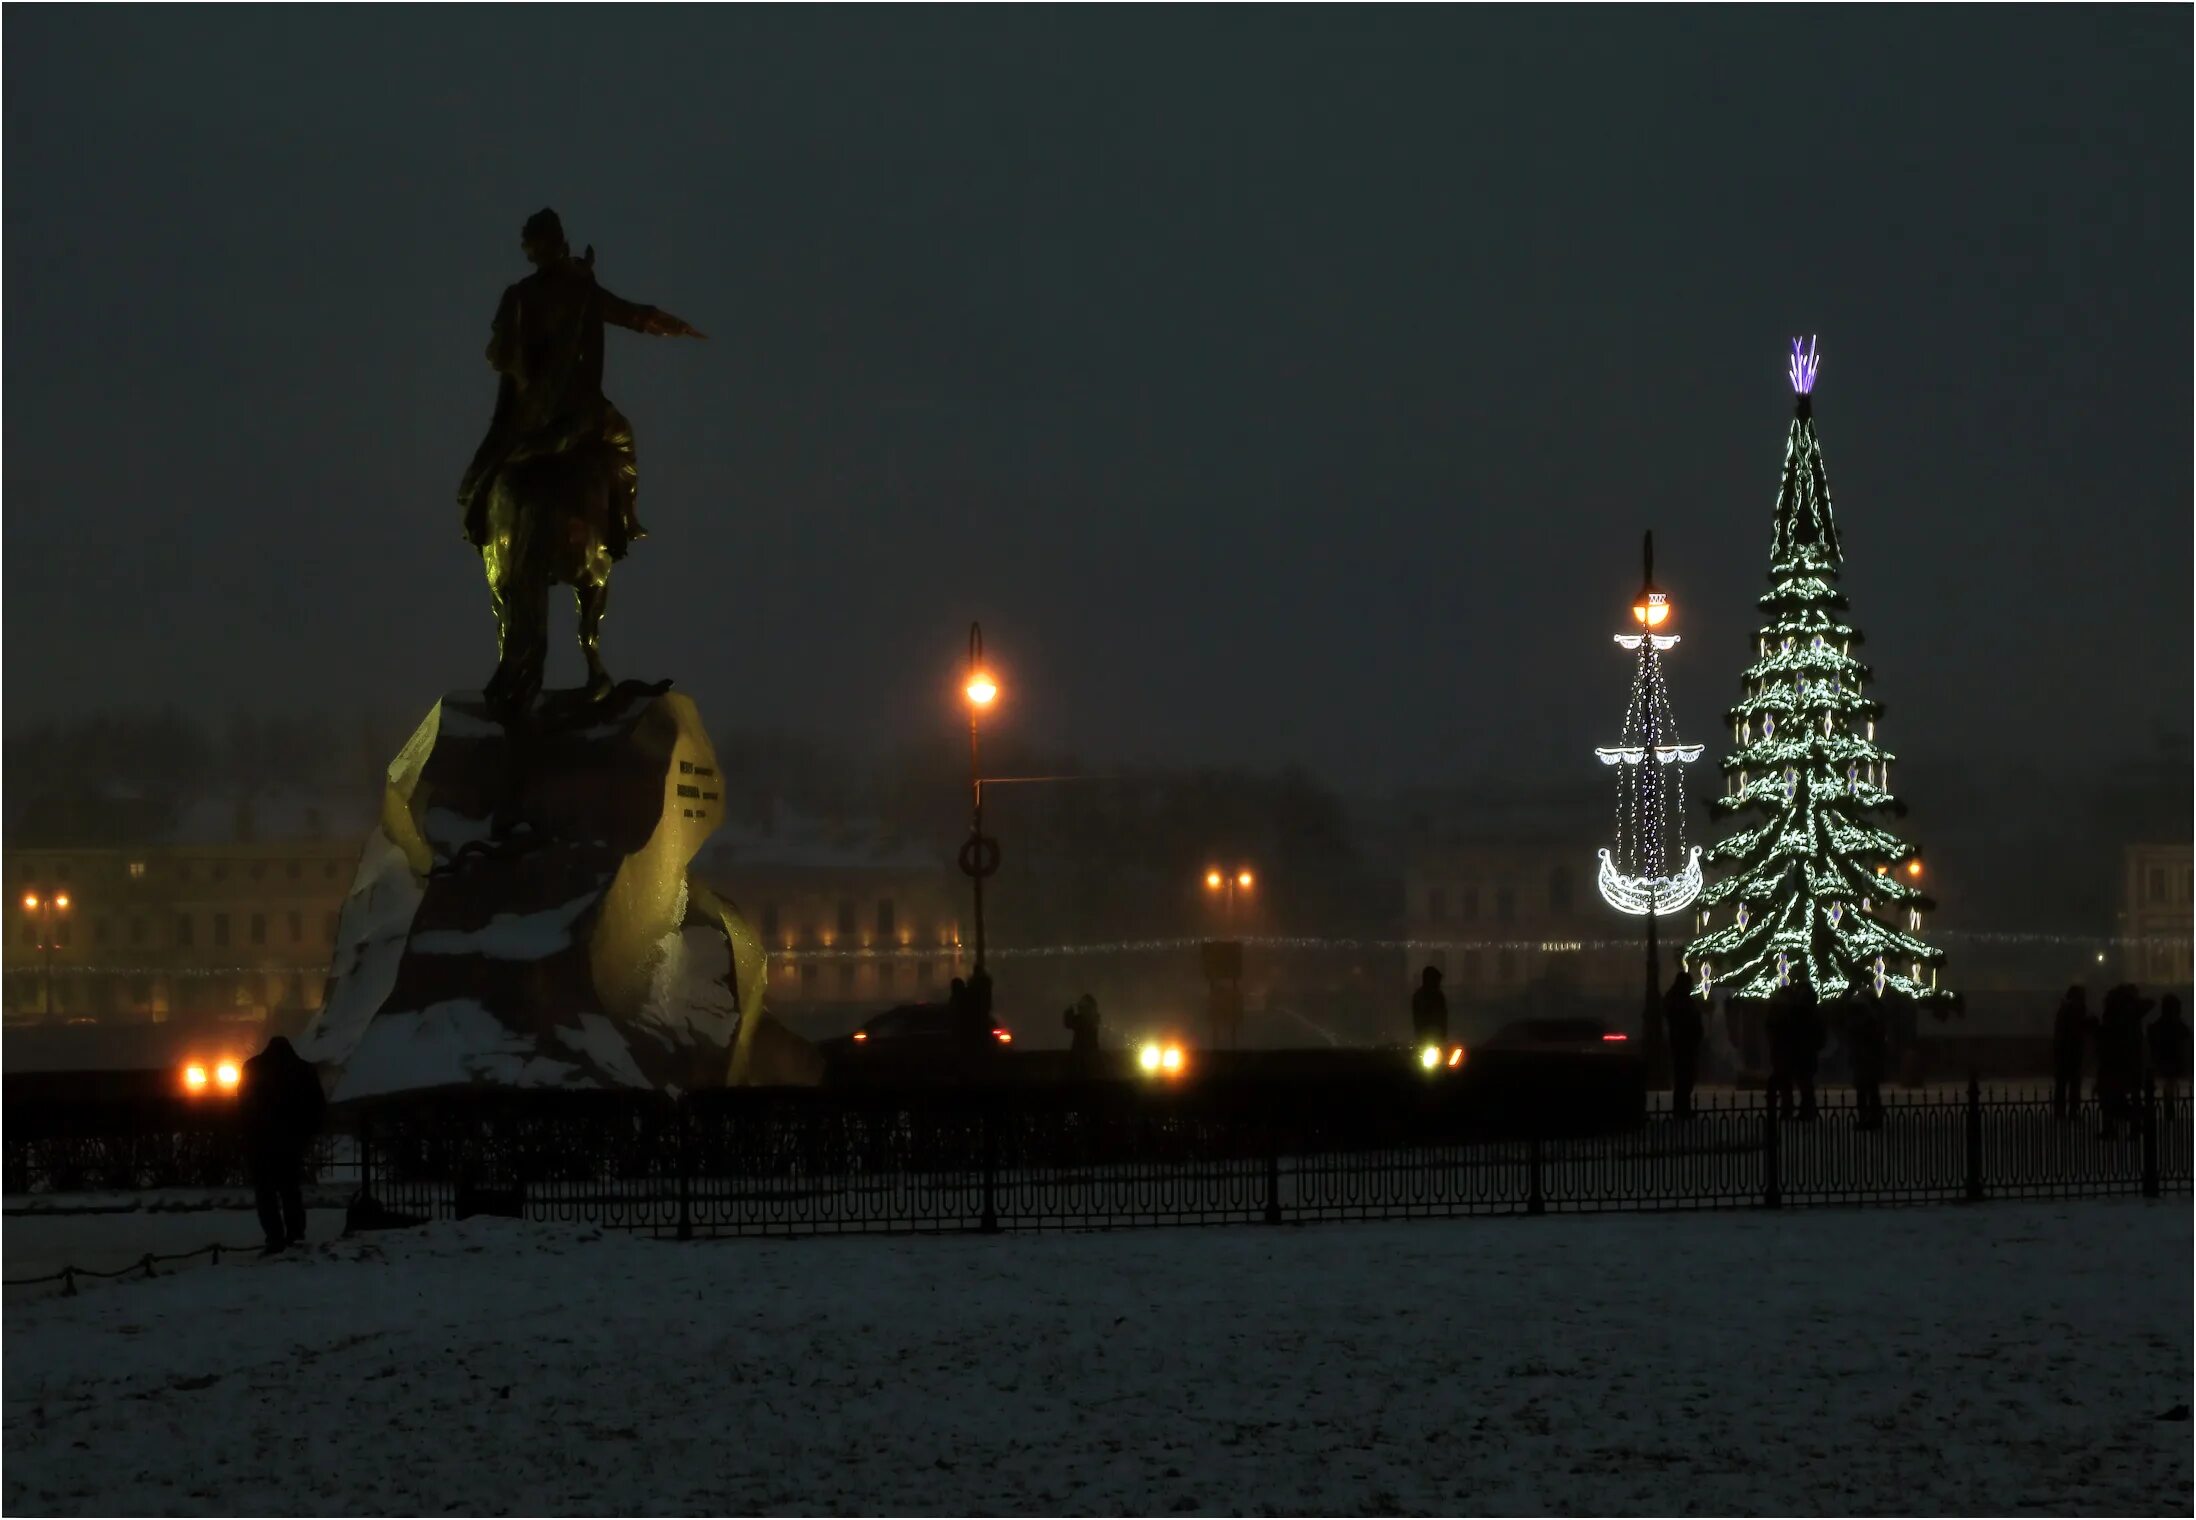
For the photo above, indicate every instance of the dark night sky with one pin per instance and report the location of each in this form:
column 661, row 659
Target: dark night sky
column 1275, row 385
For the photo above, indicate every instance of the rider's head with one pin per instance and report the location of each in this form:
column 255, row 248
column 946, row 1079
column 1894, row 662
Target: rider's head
column 543, row 237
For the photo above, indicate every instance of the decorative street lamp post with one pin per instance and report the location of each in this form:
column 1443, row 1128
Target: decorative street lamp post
column 980, row 855
column 45, row 906
column 1651, row 872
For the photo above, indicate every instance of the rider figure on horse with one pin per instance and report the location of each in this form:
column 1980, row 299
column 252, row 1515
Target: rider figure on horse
column 555, row 440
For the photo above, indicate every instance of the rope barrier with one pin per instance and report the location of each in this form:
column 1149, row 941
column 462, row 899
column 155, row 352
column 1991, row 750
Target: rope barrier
column 67, row 1275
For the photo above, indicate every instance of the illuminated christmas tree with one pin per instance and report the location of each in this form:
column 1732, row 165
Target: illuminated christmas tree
column 1811, row 887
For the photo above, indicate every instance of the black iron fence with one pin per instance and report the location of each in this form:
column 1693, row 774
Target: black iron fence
column 752, row 1163
column 1106, row 1155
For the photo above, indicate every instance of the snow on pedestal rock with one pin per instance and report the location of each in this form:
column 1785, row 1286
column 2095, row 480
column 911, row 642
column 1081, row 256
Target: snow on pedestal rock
column 523, row 915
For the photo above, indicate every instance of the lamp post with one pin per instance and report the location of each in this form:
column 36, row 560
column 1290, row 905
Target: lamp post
column 980, row 855
column 1225, row 884
column 45, row 906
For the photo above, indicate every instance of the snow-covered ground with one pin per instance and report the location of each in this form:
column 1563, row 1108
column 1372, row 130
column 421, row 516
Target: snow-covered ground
column 2007, row 1357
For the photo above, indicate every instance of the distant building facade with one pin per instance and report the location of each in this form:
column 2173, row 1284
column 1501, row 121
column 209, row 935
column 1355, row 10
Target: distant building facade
column 855, row 919
column 229, row 915
column 2158, row 897
column 1515, row 921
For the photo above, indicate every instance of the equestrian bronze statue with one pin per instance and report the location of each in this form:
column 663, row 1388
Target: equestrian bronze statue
column 550, row 494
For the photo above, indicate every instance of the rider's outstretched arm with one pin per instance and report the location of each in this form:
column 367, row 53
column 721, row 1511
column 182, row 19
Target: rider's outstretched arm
column 652, row 320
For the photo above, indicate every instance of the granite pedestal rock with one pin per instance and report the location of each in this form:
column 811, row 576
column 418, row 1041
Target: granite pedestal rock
column 523, row 915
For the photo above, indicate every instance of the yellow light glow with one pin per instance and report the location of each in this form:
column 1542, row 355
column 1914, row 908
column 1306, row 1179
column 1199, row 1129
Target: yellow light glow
column 227, row 1075
column 1243, row 880
column 1171, row 1058
column 1213, row 879
column 194, row 1077
column 30, row 902
column 1148, row 1058
column 1430, row 1057
column 982, row 689
column 1651, row 610
column 1913, row 868
column 62, row 902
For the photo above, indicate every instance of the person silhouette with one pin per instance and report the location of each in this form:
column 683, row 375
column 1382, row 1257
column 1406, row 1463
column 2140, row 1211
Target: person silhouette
column 1429, row 1010
column 1682, row 1025
column 280, row 1106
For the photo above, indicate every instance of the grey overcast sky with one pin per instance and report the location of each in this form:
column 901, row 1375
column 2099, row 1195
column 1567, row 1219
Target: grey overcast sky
column 1276, row 385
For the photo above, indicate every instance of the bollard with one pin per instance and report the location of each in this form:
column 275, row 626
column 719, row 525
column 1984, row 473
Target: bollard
column 990, row 1224
column 1974, row 1139
column 686, row 1171
column 1772, row 1191
column 1273, row 1176
column 2151, row 1187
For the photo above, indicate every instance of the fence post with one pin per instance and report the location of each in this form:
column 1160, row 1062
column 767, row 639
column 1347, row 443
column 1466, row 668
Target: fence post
column 990, row 1224
column 680, row 1120
column 2150, row 1137
column 1974, row 1139
column 1273, row 1174
column 365, row 1192
column 1772, row 1189
column 1535, row 1201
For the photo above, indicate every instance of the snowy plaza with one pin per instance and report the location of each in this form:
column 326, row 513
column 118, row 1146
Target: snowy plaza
column 2003, row 1358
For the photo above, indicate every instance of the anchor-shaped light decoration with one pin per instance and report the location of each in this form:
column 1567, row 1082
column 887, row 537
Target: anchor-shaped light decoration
column 1650, row 797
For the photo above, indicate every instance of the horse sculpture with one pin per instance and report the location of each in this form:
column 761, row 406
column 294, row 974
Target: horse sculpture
column 549, row 496
column 547, row 525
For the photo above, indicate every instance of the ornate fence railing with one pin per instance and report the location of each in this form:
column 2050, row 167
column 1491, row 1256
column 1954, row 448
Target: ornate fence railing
column 1105, row 1155
column 745, row 1163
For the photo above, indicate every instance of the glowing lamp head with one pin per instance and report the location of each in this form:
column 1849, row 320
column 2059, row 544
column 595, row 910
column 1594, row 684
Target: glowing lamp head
column 1214, row 881
column 1244, row 879
column 1170, row 1059
column 61, row 901
column 1148, row 1058
column 1914, row 869
column 194, row 1077
column 30, row 902
column 982, row 690
column 1652, row 609
column 1430, row 1057
column 226, row 1076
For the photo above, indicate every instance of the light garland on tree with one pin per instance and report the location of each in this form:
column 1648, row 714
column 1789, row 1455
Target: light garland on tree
column 1803, row 882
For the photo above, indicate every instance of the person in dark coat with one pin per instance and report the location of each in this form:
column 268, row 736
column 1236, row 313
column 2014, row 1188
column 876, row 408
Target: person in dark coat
column 1681, row 1023
column 1808, row 1034
column 1429, row 1010
column 2120, row 1056
column 1777, row 1029
column 1868, row 1030
column 2169, row 1048
column 1082, row 1025
column 280, row 1105
column 2070, row 1028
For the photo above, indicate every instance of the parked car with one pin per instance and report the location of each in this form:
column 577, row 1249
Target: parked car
column 918, row 1034
column 1559, row 1036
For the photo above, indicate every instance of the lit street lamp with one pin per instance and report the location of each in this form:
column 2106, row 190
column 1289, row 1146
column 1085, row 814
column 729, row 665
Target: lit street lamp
column 44, row 906
column 1225, row 884
column 980, row 855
